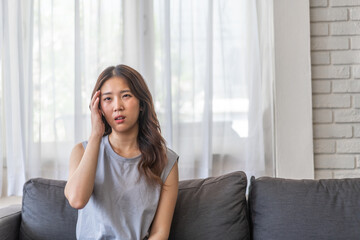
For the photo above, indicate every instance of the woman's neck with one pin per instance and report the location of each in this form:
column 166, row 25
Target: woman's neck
column 125, row 146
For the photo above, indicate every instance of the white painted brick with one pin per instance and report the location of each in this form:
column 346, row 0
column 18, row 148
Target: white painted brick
column 326, row 72
column 346, row 86
column 347, row 115
column 331, row 101
column 324, row 146
column 322, row 116
column 329, row 43
column 356, row 101
column 328, row 14
column 334, row 161
column 355, row 43
column 320, row 58
column 332, row 131
column 344, row 3
column 345, row 57
column 332, row 32
column 321, row 86
column 357, row 130
column 355, row 13
column 345, row 28
column 323, row 174
column 356, row 72
column 348, row 146
column 319, row 29
column 340, row 86
column 347, row 174
column 318, row 3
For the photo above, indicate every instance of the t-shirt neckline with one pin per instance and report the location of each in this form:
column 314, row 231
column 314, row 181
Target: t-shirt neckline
column 115, row 155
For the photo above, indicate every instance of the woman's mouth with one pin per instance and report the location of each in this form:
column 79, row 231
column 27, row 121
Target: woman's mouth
column 119, row 119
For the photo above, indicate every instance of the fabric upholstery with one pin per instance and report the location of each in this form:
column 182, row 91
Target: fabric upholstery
column 304, row 209
column 46, row 213
column 10, row 218
column 212, row 208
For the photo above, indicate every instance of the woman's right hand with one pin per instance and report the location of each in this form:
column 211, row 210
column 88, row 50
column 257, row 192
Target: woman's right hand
column 97, row 125
column 83, row 162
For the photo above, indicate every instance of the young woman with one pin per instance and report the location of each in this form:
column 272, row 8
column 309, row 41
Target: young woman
column 123, row 180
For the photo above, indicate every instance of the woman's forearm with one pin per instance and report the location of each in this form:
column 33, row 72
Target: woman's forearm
column 158, row 236
column 81, row 182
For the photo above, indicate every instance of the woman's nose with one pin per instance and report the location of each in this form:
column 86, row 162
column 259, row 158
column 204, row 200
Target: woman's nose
column 119, row 105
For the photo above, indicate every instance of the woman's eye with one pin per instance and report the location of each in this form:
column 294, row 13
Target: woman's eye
column 107, row 99
column 126, row 95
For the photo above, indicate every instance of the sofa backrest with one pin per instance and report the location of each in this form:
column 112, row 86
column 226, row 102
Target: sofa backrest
column 212, row 208
column 304, row 209
column 46, row 213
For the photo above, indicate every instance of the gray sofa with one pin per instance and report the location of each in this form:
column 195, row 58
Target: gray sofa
column 212, row 208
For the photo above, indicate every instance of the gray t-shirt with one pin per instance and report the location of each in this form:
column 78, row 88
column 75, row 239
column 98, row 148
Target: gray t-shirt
column 122, row 205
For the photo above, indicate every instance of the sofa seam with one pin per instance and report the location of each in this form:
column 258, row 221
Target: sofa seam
column 210, row 183
column 25, row 233
column 47, row 184
column 11, row 214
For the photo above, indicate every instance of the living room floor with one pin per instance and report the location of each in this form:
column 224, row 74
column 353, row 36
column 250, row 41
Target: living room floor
column 7, row 201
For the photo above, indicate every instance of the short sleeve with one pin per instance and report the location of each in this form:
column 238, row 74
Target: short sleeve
column 84, row 143
column 172, row 158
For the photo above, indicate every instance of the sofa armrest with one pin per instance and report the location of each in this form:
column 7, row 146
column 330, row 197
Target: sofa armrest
column 10, row 219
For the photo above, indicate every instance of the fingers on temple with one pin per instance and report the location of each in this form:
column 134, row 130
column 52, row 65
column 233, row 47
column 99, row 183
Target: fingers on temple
column 95, row 100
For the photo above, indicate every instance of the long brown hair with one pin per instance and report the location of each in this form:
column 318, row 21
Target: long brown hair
column 151, row 144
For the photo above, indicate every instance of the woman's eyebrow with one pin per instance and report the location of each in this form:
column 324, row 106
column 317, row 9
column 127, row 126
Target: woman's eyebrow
column 121, row 92
column 124, row 91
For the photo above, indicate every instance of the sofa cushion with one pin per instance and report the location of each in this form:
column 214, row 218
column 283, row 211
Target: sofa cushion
column 211, row 208
column 46, row 214
column 304, row 209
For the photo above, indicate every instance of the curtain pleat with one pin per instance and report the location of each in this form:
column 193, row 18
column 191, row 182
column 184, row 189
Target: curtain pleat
column 13, row 97
column 206, row 168
column 2, row 143
column 167, row 75
column 78, row 72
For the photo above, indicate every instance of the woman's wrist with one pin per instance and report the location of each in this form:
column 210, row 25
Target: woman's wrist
column 95, row 135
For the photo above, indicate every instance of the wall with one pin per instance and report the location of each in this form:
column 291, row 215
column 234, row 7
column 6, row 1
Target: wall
column 292, row 90
column 335, row 58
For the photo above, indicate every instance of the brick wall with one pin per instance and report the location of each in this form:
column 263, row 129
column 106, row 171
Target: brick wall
column 335, row 59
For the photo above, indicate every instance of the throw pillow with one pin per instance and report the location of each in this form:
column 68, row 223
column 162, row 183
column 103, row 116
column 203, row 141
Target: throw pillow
column 211, row 208
column 46, row 214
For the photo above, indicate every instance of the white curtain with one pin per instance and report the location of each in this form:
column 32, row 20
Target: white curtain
column 51, row 54
column 213, row 84
column 208, row 64
column 16, row 77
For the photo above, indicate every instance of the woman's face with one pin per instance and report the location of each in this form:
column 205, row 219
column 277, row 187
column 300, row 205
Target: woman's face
column 119, row 106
